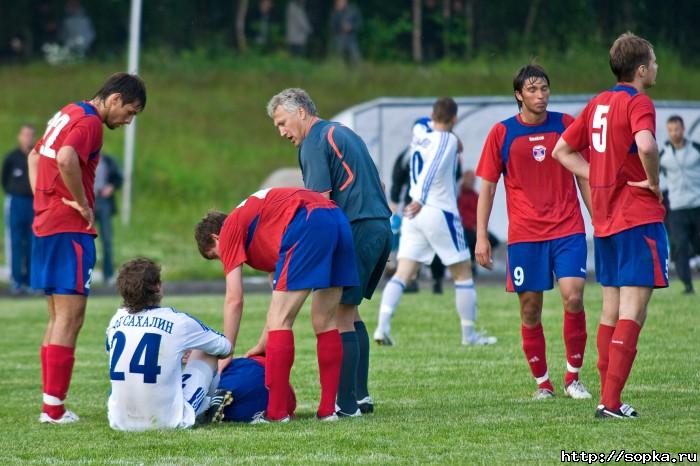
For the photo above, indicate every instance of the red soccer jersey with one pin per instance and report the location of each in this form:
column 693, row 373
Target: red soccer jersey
column 541, row 194
column 607, row 125
column 252, row 233
column 79, row 126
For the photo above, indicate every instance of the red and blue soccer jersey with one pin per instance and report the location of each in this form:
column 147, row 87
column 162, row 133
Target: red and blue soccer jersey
column 252, row 233
column 541, row 194
column 607, row 125
column 78, row 126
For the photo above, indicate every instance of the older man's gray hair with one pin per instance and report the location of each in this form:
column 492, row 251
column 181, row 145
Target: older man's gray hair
column 291, row 99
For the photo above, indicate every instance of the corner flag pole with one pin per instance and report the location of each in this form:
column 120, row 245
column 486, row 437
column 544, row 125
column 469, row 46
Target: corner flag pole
column 130, row 137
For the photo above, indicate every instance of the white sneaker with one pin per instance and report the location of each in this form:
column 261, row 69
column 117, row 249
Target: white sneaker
column 383, row 338
column 67, row 418
column 480, row 339
column 577, row 391
column 542, row 394
column 330, row 418
column 628, row 411
column 259, row 418
column 340, row 413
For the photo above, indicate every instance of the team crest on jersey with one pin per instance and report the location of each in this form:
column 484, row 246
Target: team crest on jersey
column 538, row 152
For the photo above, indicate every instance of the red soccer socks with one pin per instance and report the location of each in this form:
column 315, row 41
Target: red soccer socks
column 622, row 351
column 605, row 333
column 534, row 347
column 575, row 342
column 58, row 369
column 278, row 366
column 329, row 350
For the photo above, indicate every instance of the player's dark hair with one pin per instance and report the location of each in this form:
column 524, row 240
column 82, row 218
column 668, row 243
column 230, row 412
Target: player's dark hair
column 131, row 87
column 444, row 109
column 675, row 119
column 138, row 283
column 628, row 53
column 529, row 72
column 210, row 224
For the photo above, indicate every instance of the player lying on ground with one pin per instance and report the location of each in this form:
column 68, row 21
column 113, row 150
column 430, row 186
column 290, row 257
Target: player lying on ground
column 244, row 378
column 61, row 171
column 631, row 250
column 146, row 342
column 546, row 235
column 305, row 242
column 432, row 224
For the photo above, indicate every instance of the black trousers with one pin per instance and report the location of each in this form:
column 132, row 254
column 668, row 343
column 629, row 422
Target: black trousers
column 685, row 233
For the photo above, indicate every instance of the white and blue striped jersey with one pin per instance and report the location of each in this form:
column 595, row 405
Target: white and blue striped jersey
column 145, row 367
column 434, row 163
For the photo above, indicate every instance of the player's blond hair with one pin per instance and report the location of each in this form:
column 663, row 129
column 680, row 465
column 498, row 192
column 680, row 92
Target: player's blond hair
column 290, row 100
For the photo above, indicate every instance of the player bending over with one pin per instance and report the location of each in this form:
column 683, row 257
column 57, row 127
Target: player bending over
column 305, row 242
column 631, row 252
column 433, row 226
column 146, row 342
column 546, row 234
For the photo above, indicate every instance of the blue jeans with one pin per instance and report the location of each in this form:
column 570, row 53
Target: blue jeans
column 21, row 216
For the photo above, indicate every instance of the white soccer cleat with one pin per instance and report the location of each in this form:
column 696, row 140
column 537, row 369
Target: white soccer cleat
column 542, row 394
column 259, row 418
column 68, row 418
column 577, row 391
column 330, row 418
column 480, row 339
column 628, row 411
column 383, row 338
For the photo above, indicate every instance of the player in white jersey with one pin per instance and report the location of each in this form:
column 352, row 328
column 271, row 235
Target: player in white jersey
column 146, row 343
column 432, row 224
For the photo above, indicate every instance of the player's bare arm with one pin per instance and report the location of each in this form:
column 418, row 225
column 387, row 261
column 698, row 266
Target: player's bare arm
column 571, row 159
column 649, row 155
column 585, row 190
column 233, row 309
column 259, row 348
column 68, row 164
column 482, row 249
column 33, row 168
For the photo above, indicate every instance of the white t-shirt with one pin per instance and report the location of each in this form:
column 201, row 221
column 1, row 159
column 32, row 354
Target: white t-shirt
column 145, row 354
column 433, row 168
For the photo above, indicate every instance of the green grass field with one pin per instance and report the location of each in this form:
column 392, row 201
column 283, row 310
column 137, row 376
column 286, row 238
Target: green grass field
column 437, row 402
column 205, row 140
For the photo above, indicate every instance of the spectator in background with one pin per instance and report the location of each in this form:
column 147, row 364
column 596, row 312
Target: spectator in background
column 298, row 28
column 466, row 203
column 76, row 32
column 19, row 210
column 680, row 162
column 108, row 178
column 346, row 20
column 261, row 24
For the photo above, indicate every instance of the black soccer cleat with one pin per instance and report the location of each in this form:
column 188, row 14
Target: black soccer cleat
column 366, row 405
column 219, row 401
column 624, row 412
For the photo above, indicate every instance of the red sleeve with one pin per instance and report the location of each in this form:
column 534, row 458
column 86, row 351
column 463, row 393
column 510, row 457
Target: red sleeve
column 85, row 137
column 586, row 152
column 490, row 164
column 576, row 134
column 642, row 114
column 231, row 244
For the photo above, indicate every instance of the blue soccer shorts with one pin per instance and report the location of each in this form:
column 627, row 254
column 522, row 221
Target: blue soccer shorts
column 63, row 263
column 634, row 257
column 316, row 251
column 532, row 265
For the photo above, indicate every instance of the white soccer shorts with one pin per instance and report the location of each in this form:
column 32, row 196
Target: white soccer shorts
column 433, row 231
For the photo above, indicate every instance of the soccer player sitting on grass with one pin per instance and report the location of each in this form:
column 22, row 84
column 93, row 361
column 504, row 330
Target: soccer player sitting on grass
column 546, row 235
column 304, row 240
column 146, row 342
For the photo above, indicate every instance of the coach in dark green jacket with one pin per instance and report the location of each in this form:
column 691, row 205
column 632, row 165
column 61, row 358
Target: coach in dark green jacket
column 335, row 162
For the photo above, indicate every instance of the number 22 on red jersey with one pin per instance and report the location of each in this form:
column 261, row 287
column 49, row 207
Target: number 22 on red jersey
column 53, row 129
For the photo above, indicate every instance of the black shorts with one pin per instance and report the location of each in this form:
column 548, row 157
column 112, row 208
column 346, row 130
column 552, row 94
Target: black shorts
column 372, row 238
